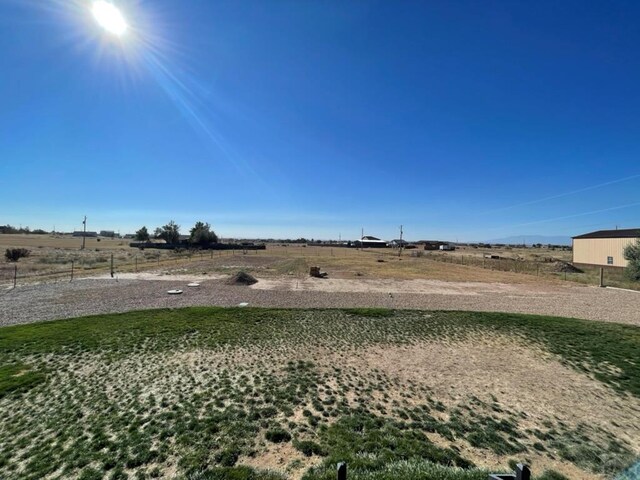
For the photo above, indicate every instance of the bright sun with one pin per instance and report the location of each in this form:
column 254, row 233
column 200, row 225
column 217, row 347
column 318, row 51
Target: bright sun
column 109, row 17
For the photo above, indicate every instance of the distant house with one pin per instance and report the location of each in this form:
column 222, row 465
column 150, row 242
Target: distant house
column 398, row 242
column 370, row 242
column 107, row 233
column 431, row 244
column 80, row 233
column 604, row 247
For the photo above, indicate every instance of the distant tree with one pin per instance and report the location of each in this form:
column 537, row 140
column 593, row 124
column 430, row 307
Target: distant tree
column 10, row 229
column 202, row 235
column 142, row 235
column 632, row 255
column 170, row 233
column 39, row 231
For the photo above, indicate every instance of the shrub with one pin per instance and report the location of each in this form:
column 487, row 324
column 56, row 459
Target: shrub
column 308, row 448
column 632, row 255
column 278, row 435
column 15, row 254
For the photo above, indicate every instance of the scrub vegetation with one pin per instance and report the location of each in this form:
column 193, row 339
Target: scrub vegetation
column 213, row 393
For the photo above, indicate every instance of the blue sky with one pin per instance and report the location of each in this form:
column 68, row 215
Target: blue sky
column 276, row 118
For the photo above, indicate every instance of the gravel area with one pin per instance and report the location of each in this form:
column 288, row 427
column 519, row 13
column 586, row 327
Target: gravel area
column 32, row 303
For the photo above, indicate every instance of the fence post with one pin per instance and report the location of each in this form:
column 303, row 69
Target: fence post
column 15, row 275
column 72, row 262
column 342, row 471
column 136, row 257
column 522, row 472
column 112, row 265
column 601, row 277
column 537, row 269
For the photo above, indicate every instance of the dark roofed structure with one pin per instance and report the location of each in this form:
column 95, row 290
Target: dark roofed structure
column 622, row 233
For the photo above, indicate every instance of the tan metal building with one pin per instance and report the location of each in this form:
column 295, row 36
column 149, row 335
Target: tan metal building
column 604, row 247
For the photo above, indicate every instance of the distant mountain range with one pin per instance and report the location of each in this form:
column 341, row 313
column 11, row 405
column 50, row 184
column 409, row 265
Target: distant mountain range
column 531, row 239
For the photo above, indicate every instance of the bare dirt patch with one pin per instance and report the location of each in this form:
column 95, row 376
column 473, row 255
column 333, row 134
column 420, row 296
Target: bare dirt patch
column 502, row 370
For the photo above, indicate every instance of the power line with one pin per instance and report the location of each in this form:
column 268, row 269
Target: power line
column 560, row 195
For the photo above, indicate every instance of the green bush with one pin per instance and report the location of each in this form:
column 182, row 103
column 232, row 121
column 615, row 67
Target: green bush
column 278, row 435
column 309, row 448
column 632, row 255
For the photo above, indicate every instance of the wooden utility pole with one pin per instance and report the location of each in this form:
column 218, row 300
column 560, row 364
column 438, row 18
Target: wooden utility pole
column 84, row 231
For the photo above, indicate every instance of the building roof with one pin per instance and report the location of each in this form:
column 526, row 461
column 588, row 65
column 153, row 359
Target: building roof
column 626, row 233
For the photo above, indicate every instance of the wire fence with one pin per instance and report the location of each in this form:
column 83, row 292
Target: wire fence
column 588, row 275
column 15, row 274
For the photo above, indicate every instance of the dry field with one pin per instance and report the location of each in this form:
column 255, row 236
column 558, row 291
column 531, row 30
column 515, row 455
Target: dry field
column 51, row 255
column 51, row 259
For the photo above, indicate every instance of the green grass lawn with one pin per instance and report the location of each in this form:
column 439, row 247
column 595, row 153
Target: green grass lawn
column 200, row 392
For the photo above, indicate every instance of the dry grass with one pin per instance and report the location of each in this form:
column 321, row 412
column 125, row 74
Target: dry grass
column 52, row 256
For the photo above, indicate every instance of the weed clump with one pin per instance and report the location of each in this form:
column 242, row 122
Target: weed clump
column 242, row 278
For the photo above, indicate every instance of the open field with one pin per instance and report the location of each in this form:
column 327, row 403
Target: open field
column 51, row 260
column 209, row 393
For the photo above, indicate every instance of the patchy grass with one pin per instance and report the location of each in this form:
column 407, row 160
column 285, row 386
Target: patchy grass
column 18, row 378
column 194, row 391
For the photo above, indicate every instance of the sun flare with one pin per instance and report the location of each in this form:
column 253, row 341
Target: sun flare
column 109, row 17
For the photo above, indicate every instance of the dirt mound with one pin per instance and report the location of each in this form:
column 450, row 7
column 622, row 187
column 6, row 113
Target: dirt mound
column 565, row 267
column 242, row 278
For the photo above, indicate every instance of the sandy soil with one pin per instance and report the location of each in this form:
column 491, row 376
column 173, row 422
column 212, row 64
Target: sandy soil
column 436, row 287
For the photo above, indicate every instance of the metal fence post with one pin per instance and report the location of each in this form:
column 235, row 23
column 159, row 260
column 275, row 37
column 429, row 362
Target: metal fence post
column 342, row 471
column 15, row 275
column 112, row 265
column 72, row 265
column 522, row 472
column 601, row 277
